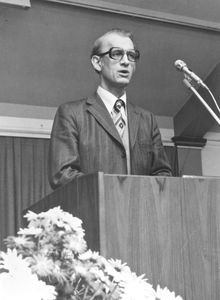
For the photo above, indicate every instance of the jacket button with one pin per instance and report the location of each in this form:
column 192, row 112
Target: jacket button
column 123, row 154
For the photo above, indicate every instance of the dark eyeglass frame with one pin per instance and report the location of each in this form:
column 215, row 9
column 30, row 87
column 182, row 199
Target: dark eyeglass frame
column 134, row 53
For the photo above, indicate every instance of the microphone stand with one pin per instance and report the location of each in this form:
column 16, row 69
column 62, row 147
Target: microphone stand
column 189, row 85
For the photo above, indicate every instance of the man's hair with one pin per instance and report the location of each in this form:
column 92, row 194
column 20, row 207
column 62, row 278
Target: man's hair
column 98, row 43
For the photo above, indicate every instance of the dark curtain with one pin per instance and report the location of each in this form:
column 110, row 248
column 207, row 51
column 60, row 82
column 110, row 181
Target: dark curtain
column 23, row 179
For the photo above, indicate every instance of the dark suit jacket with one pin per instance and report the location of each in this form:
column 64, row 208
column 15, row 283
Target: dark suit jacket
column 84, row 140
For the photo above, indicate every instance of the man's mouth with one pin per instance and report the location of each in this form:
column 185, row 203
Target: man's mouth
column 123, row 72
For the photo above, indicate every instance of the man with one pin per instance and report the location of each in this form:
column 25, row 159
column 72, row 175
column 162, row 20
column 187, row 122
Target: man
column 95, row 134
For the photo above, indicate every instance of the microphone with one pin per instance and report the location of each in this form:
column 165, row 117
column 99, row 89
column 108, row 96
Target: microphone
column 182, row 66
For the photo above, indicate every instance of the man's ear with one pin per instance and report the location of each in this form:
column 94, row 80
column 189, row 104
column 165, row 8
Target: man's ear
column 96, row 62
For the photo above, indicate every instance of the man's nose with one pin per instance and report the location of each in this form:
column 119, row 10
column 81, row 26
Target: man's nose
column 125, row 59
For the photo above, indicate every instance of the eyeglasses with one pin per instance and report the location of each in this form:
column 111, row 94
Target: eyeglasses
column 118, row 53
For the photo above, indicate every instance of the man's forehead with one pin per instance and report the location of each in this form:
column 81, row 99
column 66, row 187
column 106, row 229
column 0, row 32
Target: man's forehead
column 116, row 40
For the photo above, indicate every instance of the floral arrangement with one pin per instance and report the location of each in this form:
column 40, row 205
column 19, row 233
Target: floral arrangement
column 49, row 260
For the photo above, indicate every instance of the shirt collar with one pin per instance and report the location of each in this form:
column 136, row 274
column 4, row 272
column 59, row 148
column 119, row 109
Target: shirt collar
column 109, row 99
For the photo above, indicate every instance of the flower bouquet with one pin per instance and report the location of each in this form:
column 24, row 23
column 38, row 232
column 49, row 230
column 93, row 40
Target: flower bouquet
column 49, row 260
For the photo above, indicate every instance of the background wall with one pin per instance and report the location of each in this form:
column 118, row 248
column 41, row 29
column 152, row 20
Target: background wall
column 45, row 52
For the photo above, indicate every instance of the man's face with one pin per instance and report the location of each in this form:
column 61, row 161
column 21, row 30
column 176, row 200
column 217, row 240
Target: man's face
column 116, row 74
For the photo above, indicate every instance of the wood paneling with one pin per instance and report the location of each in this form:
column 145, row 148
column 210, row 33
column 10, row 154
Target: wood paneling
column 144, row 228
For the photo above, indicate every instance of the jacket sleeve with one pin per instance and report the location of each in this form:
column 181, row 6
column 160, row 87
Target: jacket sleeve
column 160, row 165
column 63, row 157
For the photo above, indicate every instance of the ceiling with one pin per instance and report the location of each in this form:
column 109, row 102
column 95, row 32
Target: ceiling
column 45, row 52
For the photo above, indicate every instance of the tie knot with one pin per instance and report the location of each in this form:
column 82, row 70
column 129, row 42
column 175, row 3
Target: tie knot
column 118, row 104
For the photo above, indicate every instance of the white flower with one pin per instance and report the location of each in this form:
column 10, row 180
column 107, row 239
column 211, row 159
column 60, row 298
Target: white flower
column 119, row 266
column 60, row 218
column 112, row 271
column 30, row 215
column 55, row 250
column 18, row 282
column 80, row 270
column 24, row 288
column 20, row 241
column 75, row 244
column 67, row 254
column 13, row 262
column 89, row 255
column 30, row 231
column 165, row 294
column 136, row 288
column 42, row 265
column 98, row 274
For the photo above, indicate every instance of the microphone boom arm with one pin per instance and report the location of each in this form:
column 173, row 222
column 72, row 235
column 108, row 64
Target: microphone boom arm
column 189, row 85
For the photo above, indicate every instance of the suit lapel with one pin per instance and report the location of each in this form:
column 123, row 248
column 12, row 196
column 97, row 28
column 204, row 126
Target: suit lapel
column 97, row 108
column 133, row 123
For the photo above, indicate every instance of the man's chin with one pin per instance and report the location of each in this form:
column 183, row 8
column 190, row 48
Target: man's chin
column 123, row 81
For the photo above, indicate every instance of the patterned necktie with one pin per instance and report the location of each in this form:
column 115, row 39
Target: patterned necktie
column 117, row 116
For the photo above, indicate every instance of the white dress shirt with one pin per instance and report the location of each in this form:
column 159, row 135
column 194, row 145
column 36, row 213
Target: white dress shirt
column 109, row 100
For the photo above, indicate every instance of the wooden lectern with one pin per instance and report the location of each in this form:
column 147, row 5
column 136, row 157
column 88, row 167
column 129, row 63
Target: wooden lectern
column 165, row 227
